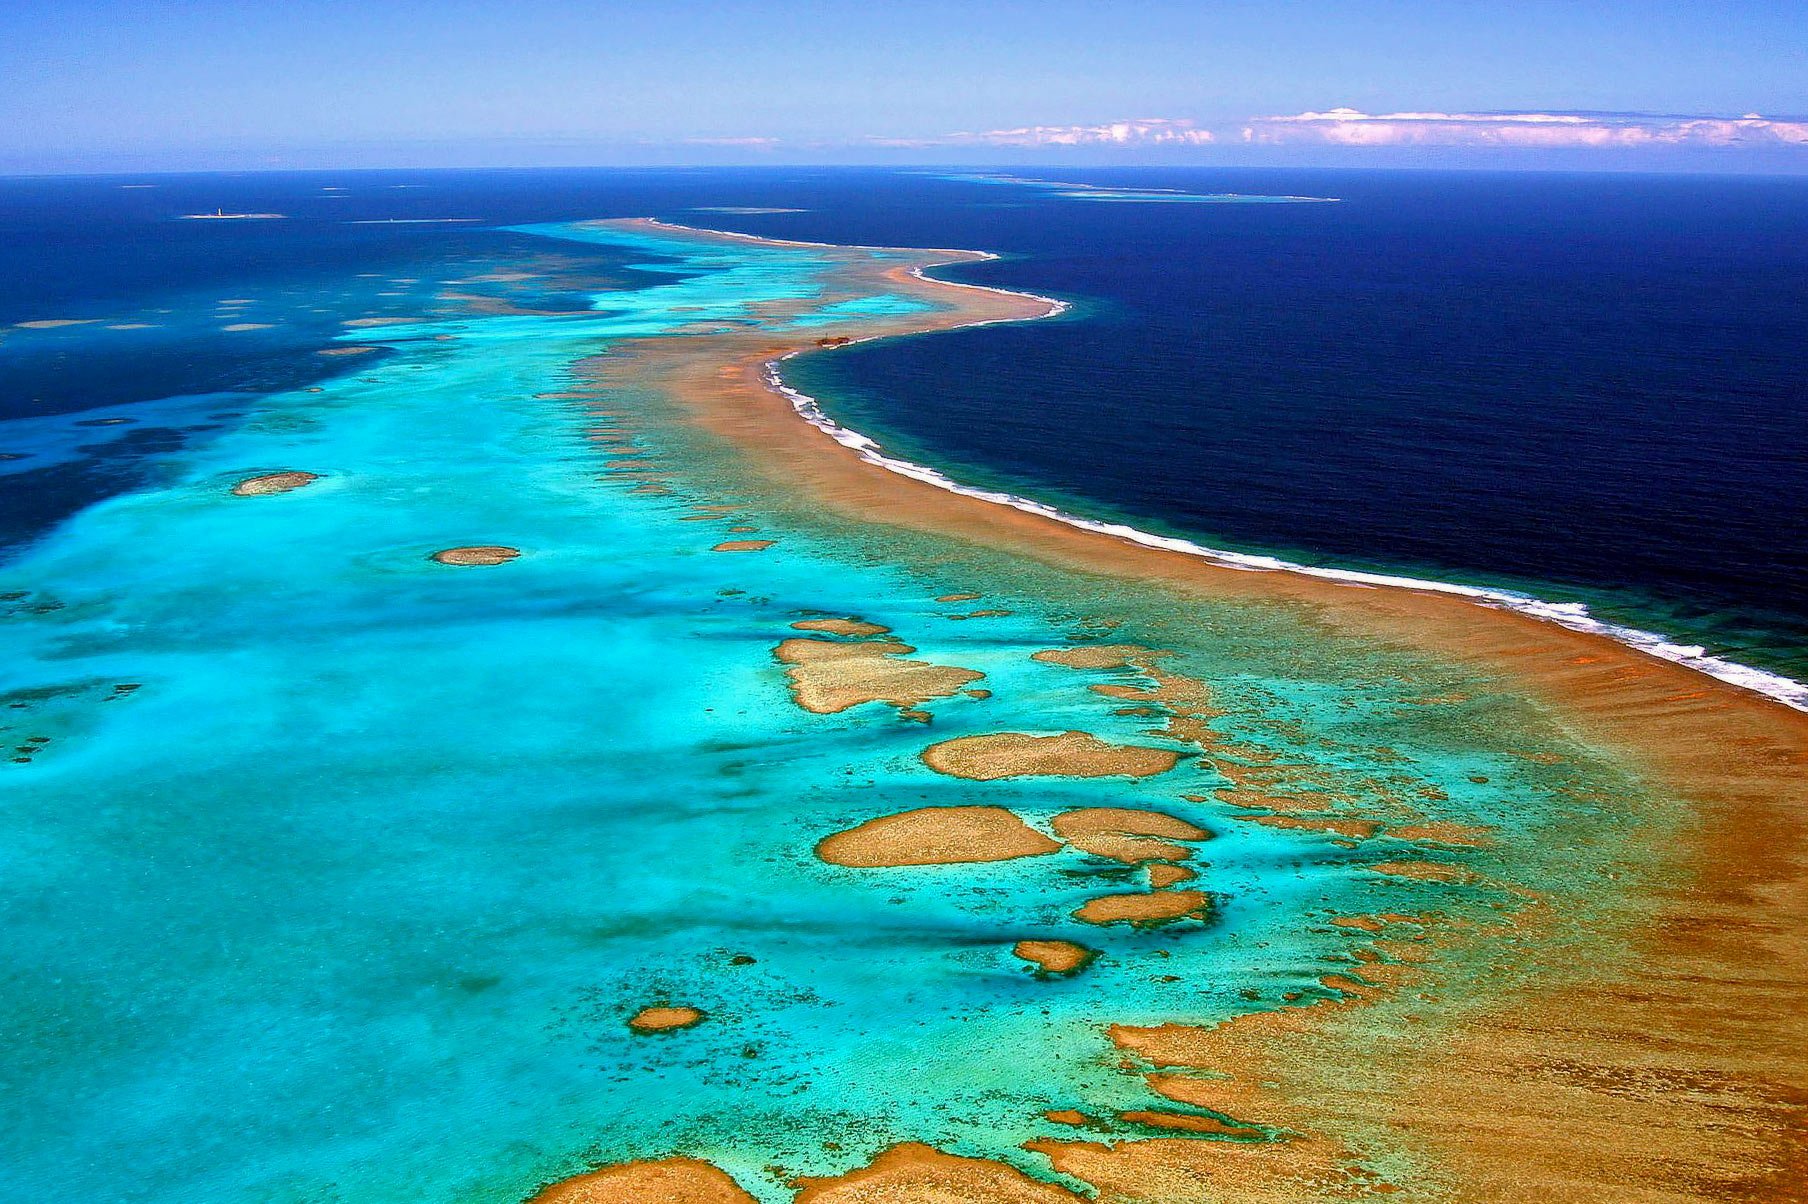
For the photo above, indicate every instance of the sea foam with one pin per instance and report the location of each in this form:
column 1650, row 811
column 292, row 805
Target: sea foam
column 1572, row 615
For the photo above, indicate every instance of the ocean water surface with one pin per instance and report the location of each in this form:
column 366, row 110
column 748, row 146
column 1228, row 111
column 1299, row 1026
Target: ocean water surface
column 333, row 873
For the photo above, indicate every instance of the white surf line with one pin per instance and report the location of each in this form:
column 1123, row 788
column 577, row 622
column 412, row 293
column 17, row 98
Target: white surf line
column 1574, row 616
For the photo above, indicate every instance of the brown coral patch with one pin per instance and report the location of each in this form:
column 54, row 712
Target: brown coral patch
column 669, row 1181
column 1444, row 832
column 1153, row 907
column 477, row 554
column 830, row 675
column 662, row 1018
column 1070, row 754
column 918, row 1174
column 1126, row 834
column 274, row 482
column 1355, row 829
column 1162, row 876
column 935, row 836
column 1055, row 957
column 850, row 627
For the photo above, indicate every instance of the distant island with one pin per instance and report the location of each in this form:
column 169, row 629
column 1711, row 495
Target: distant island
column 220, row 215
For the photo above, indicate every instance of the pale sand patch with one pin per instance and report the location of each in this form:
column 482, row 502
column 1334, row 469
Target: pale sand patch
column 935, row 836
column 477, row 554
column 856, row 627
column 1055, row 957
column 347, row 350
column 274, row 482
column 829, row 676
column 1070, row 754
column 671, row 1181
column 358, row 322
column 235, row 326
column 663, row 1019
column 744, row 545
column 918, row 1174
column 53, row 323
column 1155, row 907
column 131, row 325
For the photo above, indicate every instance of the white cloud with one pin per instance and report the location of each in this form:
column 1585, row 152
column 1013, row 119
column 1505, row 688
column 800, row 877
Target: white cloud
column 749, row 143
column 1147, row 131
column 1351, row 127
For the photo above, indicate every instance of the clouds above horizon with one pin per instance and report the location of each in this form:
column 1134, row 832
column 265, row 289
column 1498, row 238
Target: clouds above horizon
column 1354, row 128
column 1146, row 131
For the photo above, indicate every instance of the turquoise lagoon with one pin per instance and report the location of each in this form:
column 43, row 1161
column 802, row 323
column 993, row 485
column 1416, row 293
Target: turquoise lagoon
column 333, row 873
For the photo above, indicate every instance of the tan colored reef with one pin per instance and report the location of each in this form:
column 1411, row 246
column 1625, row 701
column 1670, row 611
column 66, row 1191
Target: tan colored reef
column 274, row 482
column 477, row 554
column 663, row 1018
column 1659, row 1063
column 671, row 1181
column 1054, row 957
column 1153, row 907
column 832, row 675
column 917, row 1174
column 852, row 627
column 935, row 836
column 1068, row 755
column 1128, row 835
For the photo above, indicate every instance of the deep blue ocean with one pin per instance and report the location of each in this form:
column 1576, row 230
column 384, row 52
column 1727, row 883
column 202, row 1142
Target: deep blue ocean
column 1585, row 387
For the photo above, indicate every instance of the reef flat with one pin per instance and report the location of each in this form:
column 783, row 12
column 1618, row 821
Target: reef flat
column 511, row 844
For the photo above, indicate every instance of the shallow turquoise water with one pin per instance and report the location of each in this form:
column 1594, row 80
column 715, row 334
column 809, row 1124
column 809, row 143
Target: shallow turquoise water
column 350, row 898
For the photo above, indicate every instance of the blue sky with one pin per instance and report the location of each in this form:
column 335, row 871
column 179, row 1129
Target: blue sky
column 147, row 85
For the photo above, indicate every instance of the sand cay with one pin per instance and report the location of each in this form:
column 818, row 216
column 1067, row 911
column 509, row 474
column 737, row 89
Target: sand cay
column 1663, row 1066
column 935, row 836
